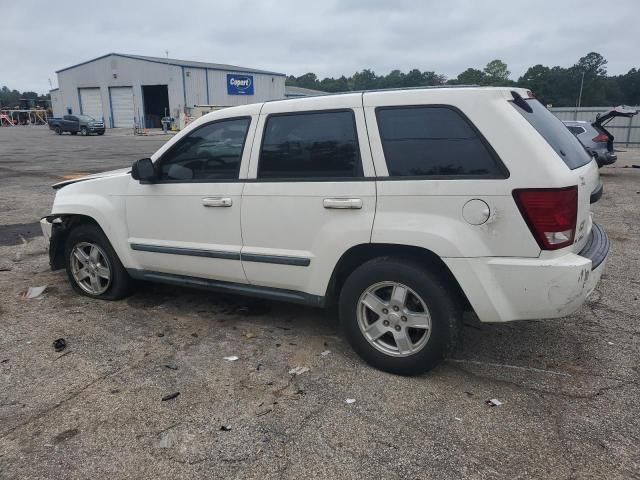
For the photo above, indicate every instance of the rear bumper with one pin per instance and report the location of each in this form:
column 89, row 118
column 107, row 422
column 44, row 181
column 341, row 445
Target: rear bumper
column 606, row 158
column 507, row 289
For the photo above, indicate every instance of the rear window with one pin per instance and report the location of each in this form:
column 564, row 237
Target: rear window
column 565, row 144
column 576, row 130
column 434, row 141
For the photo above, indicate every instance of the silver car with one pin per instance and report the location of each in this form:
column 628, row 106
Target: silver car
column 595, row 137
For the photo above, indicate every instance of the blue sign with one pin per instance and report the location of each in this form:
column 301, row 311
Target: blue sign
column 239, row 84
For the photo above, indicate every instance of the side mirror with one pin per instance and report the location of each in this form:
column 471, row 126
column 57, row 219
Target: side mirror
column 143, row 170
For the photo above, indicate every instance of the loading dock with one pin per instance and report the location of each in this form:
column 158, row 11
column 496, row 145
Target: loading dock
column 155, row 100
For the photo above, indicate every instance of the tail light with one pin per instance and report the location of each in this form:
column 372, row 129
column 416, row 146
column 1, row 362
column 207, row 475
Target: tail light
column 601, row 137
column 550, row 213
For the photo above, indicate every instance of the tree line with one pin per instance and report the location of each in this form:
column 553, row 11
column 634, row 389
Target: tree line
column 557, row 86
column 12, row 98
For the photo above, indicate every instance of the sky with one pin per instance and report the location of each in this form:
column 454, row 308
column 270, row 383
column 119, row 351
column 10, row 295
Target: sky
column 327, row 37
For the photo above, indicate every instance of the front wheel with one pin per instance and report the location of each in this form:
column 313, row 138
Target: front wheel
column 92, row 265
column 84, row 132
column 58, row 131
column 399, row 317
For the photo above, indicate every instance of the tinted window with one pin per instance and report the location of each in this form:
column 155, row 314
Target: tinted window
column 212, row 152
column 310, row 145
column 575, row 130
column 433, row 141
column 566, row 145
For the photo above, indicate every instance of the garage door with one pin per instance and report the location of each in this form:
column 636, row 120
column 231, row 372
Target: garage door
column 122, row 106
column 91, row 102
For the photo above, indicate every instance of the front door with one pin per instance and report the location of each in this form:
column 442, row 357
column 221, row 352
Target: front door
column 309, row 196
column 188, row 221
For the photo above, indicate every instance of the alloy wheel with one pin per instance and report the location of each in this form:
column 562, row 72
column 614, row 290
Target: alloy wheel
column 90, row 268
column 394, row 319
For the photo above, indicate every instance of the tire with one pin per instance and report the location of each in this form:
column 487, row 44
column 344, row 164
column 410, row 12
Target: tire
column 58, row 131
column 98, row 255
column 426, row 293
column 84, row 132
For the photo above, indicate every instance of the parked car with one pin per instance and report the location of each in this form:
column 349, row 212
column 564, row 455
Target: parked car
column 595, row 137
column 74, row 124
column 402, row 208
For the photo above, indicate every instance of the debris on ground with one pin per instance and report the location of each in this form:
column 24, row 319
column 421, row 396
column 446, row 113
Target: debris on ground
column 160, row 334
column 494, row 402
column 171, row 365
column 350, row 401
column 33, row 292
column 250, row 335
column 59, row 344
column 194, row 335
column 225, row 428
column 171, row 396
column 264, row 412
column 231, row 358
column 458, row 419
column 325, row 353
column 298, row 370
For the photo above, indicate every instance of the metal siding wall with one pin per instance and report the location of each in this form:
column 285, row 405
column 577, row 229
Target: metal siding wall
column 196, row 86
column 625, row 130
column 56, row 104
column 130, row 72
column 264, row 89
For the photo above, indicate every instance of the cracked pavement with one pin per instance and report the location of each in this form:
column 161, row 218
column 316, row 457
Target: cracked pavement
column 569, row 388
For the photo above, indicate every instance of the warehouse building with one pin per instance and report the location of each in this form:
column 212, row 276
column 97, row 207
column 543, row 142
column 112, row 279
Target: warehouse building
column 133, row 90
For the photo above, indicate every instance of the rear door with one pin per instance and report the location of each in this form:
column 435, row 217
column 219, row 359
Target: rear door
column 310, row 195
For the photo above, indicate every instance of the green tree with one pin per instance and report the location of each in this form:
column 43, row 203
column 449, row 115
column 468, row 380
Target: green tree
column 497, row 73
column 470, row 76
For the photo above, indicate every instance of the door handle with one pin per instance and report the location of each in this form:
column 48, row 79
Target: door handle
column 352, row 203
column 217, row 202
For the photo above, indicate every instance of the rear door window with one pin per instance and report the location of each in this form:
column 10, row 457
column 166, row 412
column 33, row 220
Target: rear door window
column 576, row 130
column 310, row 145
column 565, row 144
column 434, row 141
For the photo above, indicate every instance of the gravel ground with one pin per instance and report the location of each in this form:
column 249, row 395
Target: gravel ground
column 568, row 387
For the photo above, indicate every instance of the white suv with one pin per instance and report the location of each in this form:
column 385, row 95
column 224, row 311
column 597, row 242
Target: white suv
column 403, row 208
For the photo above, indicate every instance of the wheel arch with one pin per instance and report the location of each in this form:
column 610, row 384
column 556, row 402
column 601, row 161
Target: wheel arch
column 359, row 254
column 62, row 224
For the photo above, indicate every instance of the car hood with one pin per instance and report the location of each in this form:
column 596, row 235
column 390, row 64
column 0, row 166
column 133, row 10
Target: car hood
column 110, row 173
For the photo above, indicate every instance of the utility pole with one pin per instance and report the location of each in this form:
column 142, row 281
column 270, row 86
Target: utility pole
column 580, row 95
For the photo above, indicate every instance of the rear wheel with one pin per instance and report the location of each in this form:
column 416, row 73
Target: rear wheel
column 399, row 317
column 92, row 265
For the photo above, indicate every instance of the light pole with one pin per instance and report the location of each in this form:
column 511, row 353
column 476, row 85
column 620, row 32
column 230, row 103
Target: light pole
column 581, row 85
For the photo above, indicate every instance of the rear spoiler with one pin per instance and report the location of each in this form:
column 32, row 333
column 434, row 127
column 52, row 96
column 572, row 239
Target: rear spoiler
column 619, row 111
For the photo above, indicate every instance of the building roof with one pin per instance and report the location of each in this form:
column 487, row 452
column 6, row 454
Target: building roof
column 180, row 63
column 291, row 91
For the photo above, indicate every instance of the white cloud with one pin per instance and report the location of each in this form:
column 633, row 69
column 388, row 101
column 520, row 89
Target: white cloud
column 328, row 38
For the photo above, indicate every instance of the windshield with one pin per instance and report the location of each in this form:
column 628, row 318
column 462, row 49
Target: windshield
column 86, row 118
column 565, row 144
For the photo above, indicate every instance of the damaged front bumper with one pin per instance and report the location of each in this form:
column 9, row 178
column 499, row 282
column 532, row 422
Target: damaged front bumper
column 54, row 228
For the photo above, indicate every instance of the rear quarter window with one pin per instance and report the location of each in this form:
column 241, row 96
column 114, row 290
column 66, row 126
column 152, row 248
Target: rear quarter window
column 557, row 135
column 435, row 142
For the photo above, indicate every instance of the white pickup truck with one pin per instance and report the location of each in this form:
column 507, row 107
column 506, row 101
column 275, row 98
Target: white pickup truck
column 403, row 207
